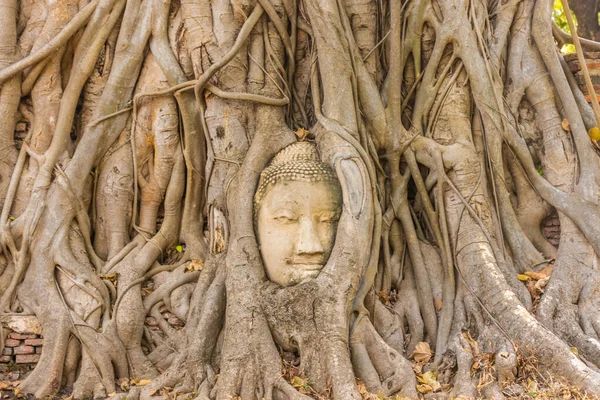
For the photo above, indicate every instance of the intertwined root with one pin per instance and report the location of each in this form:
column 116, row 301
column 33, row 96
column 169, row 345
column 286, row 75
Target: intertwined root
column 383, row 369
column 484, row 356
column 415, row 107
column 574, row 318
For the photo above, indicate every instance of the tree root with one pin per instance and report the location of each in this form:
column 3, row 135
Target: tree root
column 381, row 367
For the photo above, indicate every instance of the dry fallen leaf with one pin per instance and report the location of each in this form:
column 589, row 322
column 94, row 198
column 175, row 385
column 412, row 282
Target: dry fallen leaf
column 472, row 343
column 575, row 351
column 535, row 294
column 5, row 385
column 123, row 384
column 532, row 385
column 362, row 389
column 422, row 353
column 424, row 389
column 522, row 277
column 302, row 134
column 438, row 303
column 594, row 133
column 566, row 125
column 385, row 297
column 195, row 265
column 547, row 270
column 112, row 278
column 139, row 382
column 297, row 382
column 429, row 382
column 535, row 275
column 541, row 284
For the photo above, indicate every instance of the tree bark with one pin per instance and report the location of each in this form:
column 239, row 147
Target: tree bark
column 127, row 222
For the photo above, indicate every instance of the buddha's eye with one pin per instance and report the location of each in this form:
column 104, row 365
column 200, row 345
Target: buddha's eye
column 285, row 217
column 329, row 218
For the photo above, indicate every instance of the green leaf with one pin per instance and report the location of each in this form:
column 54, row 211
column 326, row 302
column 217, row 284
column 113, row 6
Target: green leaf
column 179, row 248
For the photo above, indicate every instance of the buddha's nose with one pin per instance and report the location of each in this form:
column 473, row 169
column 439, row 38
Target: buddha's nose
column 308, row 241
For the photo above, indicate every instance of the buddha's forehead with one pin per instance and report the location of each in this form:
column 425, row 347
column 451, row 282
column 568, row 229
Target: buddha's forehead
column 316, row 195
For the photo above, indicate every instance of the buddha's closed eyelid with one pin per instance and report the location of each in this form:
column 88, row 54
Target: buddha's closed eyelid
column 332, row 216
column 284, row 216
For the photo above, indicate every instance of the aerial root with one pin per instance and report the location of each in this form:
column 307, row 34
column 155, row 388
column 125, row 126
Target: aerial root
column 89, row 381
column 484, row 361
column 407, row 308
column 165, row 290
column 577, row 324
column 463, row 383
column 169, row 378
column 388, row 324
column 46, row 378
column 286, row 389
column 570, row 323
column 173, row 335
column 589, row 309
column 188, row 354
column 372, row 358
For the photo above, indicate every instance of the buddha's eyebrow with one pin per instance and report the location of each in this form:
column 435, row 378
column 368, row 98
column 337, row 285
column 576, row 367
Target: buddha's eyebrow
column 283, row 203
column 330, row 205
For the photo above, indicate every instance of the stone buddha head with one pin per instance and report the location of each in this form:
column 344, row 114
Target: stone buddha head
column 296, row 209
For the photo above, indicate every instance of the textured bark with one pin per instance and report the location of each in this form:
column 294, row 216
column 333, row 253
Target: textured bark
column 127, row 210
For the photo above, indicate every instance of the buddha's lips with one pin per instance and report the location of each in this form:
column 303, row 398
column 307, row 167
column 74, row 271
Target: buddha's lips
column 308, row 264
column 308, row 267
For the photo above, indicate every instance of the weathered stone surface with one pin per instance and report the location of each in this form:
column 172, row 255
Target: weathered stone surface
column 26, row 324
column 298, row 249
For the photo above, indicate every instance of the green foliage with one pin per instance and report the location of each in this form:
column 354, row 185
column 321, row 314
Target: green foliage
column 560, row 18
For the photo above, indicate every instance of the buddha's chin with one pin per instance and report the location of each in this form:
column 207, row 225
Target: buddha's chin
column 304, row 273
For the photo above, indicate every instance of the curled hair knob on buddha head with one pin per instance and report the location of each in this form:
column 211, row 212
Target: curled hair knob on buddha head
column 299, row 161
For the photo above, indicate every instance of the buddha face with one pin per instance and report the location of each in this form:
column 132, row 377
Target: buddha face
column 296, row 228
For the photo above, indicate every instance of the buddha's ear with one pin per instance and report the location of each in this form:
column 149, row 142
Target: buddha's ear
column 353, row 179
column 348, row 165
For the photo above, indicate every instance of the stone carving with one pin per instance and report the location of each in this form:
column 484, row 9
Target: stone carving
column 296, row 209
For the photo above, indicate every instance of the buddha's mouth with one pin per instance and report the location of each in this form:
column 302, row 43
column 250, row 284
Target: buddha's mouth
column 308, row 266
column 315, row 263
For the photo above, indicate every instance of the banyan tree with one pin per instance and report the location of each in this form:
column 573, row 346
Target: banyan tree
column 314, row 187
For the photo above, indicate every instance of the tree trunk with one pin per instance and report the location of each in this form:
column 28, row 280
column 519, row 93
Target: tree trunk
column 132, row 207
